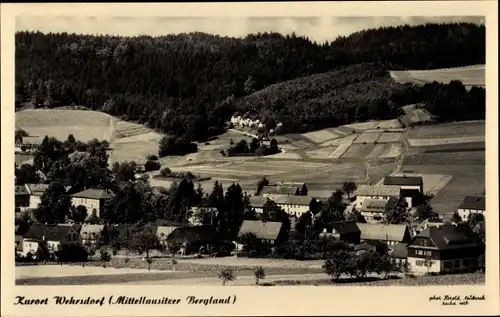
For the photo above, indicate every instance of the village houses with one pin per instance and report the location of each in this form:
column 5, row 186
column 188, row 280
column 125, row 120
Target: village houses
column 471, row 205
column 53, row 235
column 346, row 231
column 269, row 232
column 90, row 234
column 257, row 203
column 293, row 205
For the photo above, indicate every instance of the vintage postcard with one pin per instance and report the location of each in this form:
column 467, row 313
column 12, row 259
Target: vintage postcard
column 256, row 159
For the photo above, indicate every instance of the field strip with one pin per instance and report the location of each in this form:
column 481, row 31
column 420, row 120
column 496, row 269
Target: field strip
column 339, row 151
column 71, row 270
column 377, row 151
column 363, row 125
column 320, row 136
column 285, row 155
column 345, row 140
column 389, row 124
column 393, row 151
column 321, row 153
column 390, row 137
column 367, row 137
column 358, row 151
column 428, row 142
column 337, row 132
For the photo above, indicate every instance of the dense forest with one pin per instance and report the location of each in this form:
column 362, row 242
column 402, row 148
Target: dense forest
column 188, row 85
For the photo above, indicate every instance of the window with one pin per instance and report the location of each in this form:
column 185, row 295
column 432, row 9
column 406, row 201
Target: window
column 447, row 265
column 420, row 263
column 457, row 263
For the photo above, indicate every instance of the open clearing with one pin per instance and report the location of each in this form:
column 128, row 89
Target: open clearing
column 433, row 141
column 469, row 76
column 445, row 130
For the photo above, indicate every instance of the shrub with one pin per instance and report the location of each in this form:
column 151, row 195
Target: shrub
column 166, row 172
column 152, row 166
column 226, row 275
column 259, row 274
column 152, row 157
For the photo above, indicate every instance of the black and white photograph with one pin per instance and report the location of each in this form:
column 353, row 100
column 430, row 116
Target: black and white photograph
column 250, row 151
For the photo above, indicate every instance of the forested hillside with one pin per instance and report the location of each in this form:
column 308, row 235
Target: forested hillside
column 189, row 84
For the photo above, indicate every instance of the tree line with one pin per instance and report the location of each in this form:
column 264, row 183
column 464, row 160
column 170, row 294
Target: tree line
column 188, row 85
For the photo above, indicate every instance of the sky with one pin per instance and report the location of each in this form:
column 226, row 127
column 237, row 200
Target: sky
column 316, row 28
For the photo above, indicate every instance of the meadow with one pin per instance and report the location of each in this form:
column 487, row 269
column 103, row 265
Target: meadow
column 470, row 75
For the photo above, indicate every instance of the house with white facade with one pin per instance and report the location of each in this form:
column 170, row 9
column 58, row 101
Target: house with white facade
column 374, row 210
column 471, row 205
column 388, row 233
column 293, row 205
column 447, row 248
column 257, row 203
column 92, row 199
column 91, row 233
column 53, row 235
column 36, row 192
column 380, row 192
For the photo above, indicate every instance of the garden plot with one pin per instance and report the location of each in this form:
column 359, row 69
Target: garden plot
column 358, row 151
column 390, row 137
column 367, row 137
column 391, row 152
column 444, row 141
column 321, row 136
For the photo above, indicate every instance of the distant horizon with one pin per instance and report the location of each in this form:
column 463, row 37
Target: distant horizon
column 316, row 29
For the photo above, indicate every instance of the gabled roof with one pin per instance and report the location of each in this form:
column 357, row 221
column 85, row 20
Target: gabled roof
column 268, row 230
column 382, row 232
column 400, row 251
column 93, row 193
column 21, row 190
column 377, row 190
column 164, row 231
column 365, row 246
column 278, row 190
column 37, row 189
column 258, row 201
column 89, row 231
column 38, row 231
column 292, row 200
column 403, row 180
column 374, row 205
column 448, row 237
column 32, row 140
column 192, row 233
column 473, row 202
column 343, row 227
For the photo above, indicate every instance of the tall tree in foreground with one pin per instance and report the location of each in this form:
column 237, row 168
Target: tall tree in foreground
column 349, row 187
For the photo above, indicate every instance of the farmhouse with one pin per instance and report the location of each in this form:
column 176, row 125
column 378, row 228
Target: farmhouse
column 293, row 205
column 446, row 249
column 53, row 235
column 163, row 232
column 373, row 210
column 22, row 197
column 257, row 203
column 192, row 238
column 92, row 199
column 472, row 205
column 272, row 190
column 346, row 231
column 266, row 231
column 31, row 142
column 381, row 192
column 406, row 182
column 433, row 222
column 36, row 192
column 388, row 233
column 399, row 254
column 90, row 234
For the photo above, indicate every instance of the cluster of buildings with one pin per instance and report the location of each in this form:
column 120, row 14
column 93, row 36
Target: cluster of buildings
column 428, row 246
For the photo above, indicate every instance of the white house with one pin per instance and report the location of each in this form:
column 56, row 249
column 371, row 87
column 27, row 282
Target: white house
column 380, row 192
column 293, row 205
column 53, row 235
column 472, row 205
column 36, row 192
column 91, row 233
column 92, row 199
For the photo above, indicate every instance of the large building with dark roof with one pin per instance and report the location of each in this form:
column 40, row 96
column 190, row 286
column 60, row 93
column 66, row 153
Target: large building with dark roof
column 447, row 248
column 471, row 205
column 406, row 182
